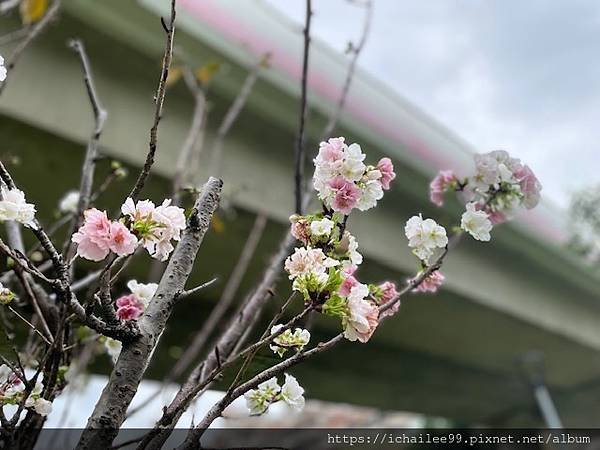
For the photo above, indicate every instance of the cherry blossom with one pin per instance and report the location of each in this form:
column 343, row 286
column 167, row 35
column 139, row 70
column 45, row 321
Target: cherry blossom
column 476, row 223
column 362, row 317
column 440, row 184
column 144, row 292
column 343, row 181
column 389, row 292
column 300, row 228
column 424, row 236
column 129, row 307
column 13, row 206
column 321, row 227
column 345, row 194
column 431, row 283
column 530, row 186
column 113, row 348
column 349, row 281
column 155, row 226
column 292, row 393
column 258, row 400
column 386, row 168
column 288, row 339
column 93, row 237
column 122, row 241
column 68, row 204
column 308, row 261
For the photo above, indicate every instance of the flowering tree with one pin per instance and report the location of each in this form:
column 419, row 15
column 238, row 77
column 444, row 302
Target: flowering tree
column 319, row 254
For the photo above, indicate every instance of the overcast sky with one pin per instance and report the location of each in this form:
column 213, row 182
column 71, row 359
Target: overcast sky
column 522, row 75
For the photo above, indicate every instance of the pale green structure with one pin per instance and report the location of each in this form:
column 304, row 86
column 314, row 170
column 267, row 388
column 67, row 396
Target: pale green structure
column 451, row 354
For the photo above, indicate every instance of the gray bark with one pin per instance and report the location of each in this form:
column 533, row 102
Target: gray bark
column 111, row 408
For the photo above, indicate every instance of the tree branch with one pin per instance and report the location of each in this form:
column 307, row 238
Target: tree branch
column 356, row 51
column 91, row 154
column 232, row 114
column 32, row 33
column 224, row 302
column 129, row 369
column 159, row 99
column 299, row 148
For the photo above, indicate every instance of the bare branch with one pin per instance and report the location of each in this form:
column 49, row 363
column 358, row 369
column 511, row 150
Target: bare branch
column 197, row 289
column 159, row 99
column 224, row 302
column 32, row 33
column 195, row 434
column 193, row 135
column 91, row 154
column 299, row 148
column 232, row 114
column 356, row 51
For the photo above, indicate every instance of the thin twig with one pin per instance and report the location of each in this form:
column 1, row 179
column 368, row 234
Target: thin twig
column 159, row 99
column 224, row 302
column 91, row 154
column 299, row 148
column 30, row 325
column 194, row 132
column 195, row 434
column 193, row 291
column 356, row 51
column 33, row 32
column 232, row 114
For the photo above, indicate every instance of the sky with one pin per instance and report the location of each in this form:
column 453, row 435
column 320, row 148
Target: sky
column 511, row 74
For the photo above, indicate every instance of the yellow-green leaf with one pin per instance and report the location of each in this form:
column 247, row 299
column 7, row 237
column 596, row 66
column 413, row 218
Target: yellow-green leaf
column 218, row 225
column 32, row 10
column 205, row 73
column 175, row 74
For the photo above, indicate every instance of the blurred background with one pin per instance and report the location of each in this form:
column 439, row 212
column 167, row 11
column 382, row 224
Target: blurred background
column 512, row 338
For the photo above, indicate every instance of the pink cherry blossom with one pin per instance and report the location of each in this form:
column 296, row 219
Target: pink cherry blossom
column 93, row 237
column 300, row 228
column 530, row 186
column 439, row 185
column 363, row 315
column 332, row 150
column 349, row 281
column 88, row 249
column 431, row 283
column 346, row 195
column 129, row 307
column 389, row 293
column 386, row 168
column 122, row 241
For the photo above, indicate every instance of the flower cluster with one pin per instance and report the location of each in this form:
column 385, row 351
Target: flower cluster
column 258, row 400
column 323, row 269
column 131, row 306
column 98, row 236
column 13, row 206
column 154, row 227
column 2, row 69
column 324, row 273
column 344, row 182
column 500, row 186
column 12, row 391
column 296, row 340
